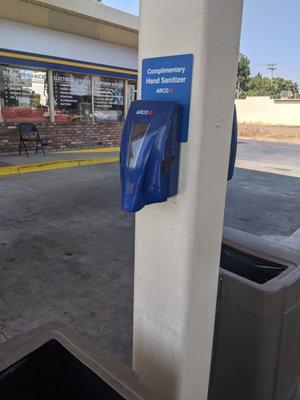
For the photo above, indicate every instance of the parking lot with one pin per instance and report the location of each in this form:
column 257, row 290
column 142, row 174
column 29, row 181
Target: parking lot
column 67, row 249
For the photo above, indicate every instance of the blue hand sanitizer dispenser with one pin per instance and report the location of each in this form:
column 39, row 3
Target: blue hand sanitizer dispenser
column 149, row 156
column 233, row 146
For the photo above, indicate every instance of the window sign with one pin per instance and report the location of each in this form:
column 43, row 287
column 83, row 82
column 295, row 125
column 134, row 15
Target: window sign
column 24, row 95
column 108, row 99
column 131, row 92
column 72, row 97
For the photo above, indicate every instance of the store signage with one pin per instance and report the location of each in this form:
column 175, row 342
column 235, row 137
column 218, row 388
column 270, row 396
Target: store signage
column 22, row 88
column 108, row 99
column 70, row 89
column 170, row 79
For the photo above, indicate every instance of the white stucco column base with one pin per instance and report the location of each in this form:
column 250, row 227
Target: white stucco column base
column 177, row 243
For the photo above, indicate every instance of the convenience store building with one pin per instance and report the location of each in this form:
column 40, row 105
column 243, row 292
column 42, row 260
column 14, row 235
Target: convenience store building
column 71, row 69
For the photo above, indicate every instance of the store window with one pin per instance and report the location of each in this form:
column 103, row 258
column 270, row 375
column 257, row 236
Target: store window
column 108, row 99
column 23, row 95
column 131, row 92
column 72, row 97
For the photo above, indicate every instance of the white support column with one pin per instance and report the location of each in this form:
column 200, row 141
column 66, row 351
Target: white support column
column 51, row 95
column 93, row 95
column 177, row 243
column 126, row 100
column 1, row 116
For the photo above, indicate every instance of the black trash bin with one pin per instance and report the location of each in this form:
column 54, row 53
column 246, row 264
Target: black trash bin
column 53, row 363
column 256, row 353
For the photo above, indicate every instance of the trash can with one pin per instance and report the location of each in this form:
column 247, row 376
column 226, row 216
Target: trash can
column 53, row 363
column 256, row 352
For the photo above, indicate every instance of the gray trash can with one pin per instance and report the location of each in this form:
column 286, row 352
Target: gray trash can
column 256, row 353
column 53, row 363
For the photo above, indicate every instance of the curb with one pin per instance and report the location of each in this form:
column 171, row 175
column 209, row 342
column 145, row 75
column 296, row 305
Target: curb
column 95, row 150
column 28, row 168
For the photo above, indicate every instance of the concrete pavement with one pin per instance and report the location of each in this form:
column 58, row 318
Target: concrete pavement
column 66, row 249
column 274, row 157
column 264, row 196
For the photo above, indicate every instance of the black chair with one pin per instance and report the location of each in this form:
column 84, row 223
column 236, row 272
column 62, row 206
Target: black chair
column 30, row 138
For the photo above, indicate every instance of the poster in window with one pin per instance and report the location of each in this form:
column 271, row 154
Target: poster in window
column 72, row 97
column 24, row 95
column 108, row 99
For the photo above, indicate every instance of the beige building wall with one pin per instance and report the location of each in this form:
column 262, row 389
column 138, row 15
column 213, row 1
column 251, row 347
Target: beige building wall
column 264, row 110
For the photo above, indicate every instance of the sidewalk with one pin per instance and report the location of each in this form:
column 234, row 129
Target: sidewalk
column 15, row 164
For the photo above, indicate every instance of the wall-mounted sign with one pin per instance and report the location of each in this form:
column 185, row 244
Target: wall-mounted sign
column 169, row 78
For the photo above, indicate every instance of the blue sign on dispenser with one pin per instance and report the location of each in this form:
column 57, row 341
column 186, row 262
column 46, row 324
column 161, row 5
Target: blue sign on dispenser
column 170, row 79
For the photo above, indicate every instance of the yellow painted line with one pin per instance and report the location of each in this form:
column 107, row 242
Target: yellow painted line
column 27, row 168
column 96, row 150
column 64, row 62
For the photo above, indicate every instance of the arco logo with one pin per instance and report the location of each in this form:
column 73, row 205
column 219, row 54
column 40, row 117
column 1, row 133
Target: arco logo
column 165, row 90
column 149, row 112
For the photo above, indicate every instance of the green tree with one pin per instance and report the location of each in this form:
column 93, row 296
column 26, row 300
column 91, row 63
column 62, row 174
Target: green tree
column 262, row 86
column 280, row 84
column 243, row 74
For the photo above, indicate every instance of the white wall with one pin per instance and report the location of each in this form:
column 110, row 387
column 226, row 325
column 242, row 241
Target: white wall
column 264, row 110
column 96, row 10
column 32, row 39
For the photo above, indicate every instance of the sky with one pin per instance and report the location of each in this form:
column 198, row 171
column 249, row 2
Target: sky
column 270, row 34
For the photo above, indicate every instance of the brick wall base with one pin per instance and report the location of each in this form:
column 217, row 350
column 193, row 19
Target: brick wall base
column 65, row 136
